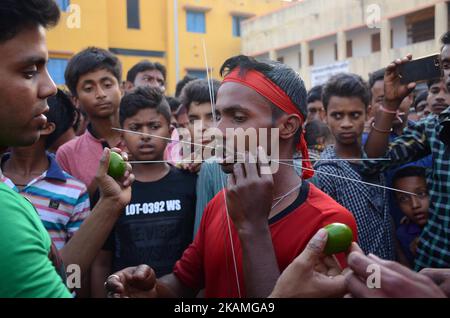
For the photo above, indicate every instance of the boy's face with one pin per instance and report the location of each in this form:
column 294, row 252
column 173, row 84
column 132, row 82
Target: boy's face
column 99, row 94
column 315, row 111
column 200, row 112
column 414, row 207
column 438, row 97
column 147, row 148
column 346, row 117
column 25, row 86
column 150, row 78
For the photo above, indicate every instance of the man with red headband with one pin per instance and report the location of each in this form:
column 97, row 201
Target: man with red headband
column 254, row 229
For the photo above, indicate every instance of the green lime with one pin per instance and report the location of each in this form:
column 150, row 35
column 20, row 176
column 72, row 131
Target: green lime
column 340, row 237
column 117, row 166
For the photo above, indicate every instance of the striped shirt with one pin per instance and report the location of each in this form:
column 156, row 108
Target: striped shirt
column 420, row 140
column 61, row 200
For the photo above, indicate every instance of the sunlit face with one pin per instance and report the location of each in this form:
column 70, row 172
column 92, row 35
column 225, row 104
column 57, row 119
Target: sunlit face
column 200, row 113
column 144, row 147
column 25, row 86
column 98, row 94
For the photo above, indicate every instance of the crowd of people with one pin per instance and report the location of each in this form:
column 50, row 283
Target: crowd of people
column 372, row 155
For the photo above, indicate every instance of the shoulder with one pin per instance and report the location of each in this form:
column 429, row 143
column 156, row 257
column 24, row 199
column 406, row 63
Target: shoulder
column 69, row 146
column 75, row 183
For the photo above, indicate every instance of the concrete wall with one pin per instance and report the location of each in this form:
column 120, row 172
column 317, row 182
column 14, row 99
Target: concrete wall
column 319, row 24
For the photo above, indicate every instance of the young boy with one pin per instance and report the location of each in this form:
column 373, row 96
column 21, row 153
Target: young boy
column 65, row 120
column 346, row 99
column 195, row 98
column 415, row 208
column 318, row 136
column 156, row 227
column 93, row 77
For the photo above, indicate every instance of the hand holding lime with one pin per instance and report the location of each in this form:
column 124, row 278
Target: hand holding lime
column 340, row 237
column 117, row 166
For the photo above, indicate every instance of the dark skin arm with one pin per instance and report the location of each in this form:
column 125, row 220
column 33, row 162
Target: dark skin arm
column 250, row 218
column 378, row 142
column 141, row 282
column 84, row 246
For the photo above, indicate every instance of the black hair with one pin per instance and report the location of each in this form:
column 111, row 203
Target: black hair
column 288, row 80
column 433, row 81
column 280, row 74
column 445, row 39
column 144, row 66
column 373, row 78
column 315, row 94
column 315, row 129
column 409, row 171
column 174, row 103
column 90, row 60
column 198, row 91
column 143, row 98
column 345, row 85
column 420, row 96
column 181, row 84
column 62, row 113
column 17, row 15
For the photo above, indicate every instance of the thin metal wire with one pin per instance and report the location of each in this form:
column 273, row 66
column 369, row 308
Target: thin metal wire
column 284, row 163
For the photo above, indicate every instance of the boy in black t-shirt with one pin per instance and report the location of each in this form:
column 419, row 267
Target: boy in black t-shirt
column 156, row 226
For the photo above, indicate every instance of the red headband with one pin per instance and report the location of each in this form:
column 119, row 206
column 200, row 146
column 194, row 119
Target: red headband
column 265, row 87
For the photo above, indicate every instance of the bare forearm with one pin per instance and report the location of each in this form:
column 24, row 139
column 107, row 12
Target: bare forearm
column 169, row 286
column 378, row 141
column 260, row 264
column 84, row 246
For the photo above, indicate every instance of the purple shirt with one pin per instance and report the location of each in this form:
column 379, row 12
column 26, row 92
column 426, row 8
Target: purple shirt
column 406, row 234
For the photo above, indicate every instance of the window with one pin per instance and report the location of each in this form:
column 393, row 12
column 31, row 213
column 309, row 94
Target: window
column 376, row 42
column 420, row 25
column 336, row 56
column 56, row 68
column 237, row 25
column 311, row 57
column 63, row 4
column 197, row 73
column 349, row 48
column 133, row 19
column 195, row 21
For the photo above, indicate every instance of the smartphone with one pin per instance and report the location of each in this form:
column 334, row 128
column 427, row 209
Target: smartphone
column 421, row 69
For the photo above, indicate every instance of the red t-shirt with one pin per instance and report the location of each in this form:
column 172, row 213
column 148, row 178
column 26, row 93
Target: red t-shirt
column 208, row 261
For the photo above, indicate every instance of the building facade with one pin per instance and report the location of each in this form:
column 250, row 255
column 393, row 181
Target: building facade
column 322, row 37
column 171, row 32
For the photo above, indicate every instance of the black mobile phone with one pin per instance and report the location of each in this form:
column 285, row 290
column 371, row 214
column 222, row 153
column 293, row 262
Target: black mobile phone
column 421, row 69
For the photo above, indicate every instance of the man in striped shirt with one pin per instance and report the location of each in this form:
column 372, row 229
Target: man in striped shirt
column 417, row 141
